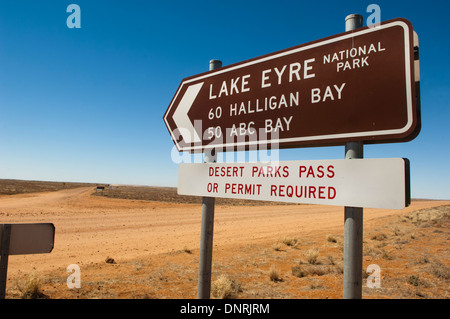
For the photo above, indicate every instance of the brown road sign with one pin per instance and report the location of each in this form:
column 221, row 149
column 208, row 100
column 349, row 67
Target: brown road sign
column 31, row 238
column 353, row 86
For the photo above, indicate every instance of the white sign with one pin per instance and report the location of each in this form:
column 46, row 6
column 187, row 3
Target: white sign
column 372, row 183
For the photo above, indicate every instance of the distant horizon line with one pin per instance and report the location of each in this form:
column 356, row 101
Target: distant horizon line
column 141, row 185
column 78, row 182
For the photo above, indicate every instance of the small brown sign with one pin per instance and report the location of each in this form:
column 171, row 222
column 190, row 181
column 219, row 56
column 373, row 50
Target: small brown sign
column 31, row 238
column 353, row 86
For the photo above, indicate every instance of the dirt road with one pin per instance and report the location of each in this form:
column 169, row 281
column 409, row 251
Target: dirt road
column 91, row 228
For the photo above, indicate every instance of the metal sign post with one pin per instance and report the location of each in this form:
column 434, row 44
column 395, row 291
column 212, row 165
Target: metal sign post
column 4, row 250
column 353, row 223
column 207, row 227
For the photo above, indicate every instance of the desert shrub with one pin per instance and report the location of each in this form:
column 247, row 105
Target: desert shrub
column 276, row 247
column 299, row 271
column 331, row 260
column 331, row 239
column 311, row 256
column 30, row 288
column 379, row 237
column 397, row 231
column 225, row 287
column 386, row 255
column 318, row 270
column 440, row 270
column 309, row 270
column 292, row 242
column 274, row 274
column 414, row 280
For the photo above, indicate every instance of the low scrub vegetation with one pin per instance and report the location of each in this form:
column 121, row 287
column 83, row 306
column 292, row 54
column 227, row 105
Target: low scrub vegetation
column 29, row 287
column 225, row 287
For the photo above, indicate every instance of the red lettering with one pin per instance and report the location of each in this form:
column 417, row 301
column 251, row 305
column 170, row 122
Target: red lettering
column 254, row 170
column 321, row 192
column 320, row 171
column 273, row 190
column 302, row 169
column 289, row 191
column 281, row 190
column 329, row 192
column 285, row 171
column 277, row 171
column 212, row 188
column 310, row 172
column 261, row 172
column 312, row 190
column 239, row 189
column 330, row 170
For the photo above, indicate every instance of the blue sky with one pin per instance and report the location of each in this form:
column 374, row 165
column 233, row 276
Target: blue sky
column 87, row 104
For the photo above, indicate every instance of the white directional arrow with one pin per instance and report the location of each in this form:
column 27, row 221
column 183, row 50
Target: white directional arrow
column 181, row 117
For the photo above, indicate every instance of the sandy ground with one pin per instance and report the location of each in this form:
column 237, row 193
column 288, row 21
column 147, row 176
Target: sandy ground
column 150, row 238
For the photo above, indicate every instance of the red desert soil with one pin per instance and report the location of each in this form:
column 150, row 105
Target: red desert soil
column 154, row 247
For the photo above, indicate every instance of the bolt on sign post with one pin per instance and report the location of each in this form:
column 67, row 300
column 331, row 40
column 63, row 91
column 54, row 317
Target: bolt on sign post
column 23, row 239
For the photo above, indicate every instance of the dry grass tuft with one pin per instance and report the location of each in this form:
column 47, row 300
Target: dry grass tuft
column 276, row 247
column 379, row 237
column 431, row 216
column 310, row 270
column 274, row 274
column 30, row 287
column 225, row 287
column 439, row 270
column 299, row 271
column 291, row 242
column 311, row 255
column 414, row 280
column 331, row 239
